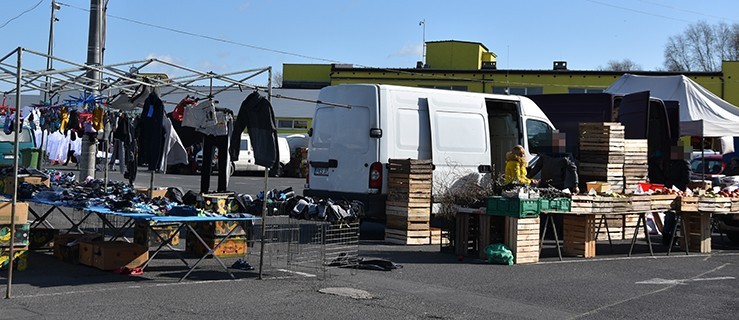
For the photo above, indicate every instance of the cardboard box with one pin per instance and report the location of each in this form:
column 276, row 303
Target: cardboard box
column 42, row 238
column 156, row 193
column 21, row 258
column 21, row 235
column 214, row 229
column 21, row 212
column 234, row 247
column 67, row 246
column 146, row 236
column 220, row 203
column 9, row 186
column 118, row 254
column 599, row 186
column 86, row 249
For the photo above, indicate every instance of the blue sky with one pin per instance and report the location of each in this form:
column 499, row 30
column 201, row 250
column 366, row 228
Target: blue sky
column 524, row 34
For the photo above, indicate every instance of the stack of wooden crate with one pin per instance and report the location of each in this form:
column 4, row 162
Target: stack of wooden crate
column 408, row 208
column 635, row 163
column 522, row 236
column 602, row 153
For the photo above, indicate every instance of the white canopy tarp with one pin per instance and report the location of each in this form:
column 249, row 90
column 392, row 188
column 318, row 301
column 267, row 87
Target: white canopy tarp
column 702, row 113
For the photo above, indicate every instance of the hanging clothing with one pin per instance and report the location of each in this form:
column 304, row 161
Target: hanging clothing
column 220, row 127
column 98, row 115
column 151, row 130
column 210, row 143
column 173, row 151
column 199, row 116
column 179, row 110
column 64, row 120
column 258, row 117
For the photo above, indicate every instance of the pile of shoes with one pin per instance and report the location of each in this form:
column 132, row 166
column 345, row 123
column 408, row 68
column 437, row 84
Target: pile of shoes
column 325, row 210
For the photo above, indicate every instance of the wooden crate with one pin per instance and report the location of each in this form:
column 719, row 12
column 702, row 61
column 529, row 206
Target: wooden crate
column 579, row 235
column 615, row 227
column 601, row 169
column 410, row 213
column 641, row 203
column 629, row 223
column 688, row 204
column 439, row 236
column 407, row 237
column 410, row 166
column 405, row 223
column 662, row 201
column 706, row 204
column 698, row 232
column 582, row 204
column 522, row 236
column 734, row 204
column 473, row 233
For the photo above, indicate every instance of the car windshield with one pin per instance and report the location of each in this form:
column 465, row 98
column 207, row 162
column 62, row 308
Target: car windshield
column 712, row 166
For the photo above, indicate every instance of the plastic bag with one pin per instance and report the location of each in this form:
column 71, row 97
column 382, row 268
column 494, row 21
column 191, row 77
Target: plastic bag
column 499, row 253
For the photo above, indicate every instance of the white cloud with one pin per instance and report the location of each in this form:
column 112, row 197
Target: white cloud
column 163, row 68
column 409, row 50
column 245, row 6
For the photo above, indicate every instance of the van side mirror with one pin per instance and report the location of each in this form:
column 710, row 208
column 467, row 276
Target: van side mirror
column 310, row 132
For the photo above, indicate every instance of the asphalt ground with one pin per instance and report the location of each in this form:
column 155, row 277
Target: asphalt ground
column 433, row 283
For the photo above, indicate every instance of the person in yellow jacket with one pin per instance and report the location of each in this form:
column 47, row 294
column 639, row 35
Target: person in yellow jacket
column 515, row 166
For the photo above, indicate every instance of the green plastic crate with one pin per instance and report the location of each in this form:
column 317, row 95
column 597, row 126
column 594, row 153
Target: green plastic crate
column 556, row 204
column 517, row 208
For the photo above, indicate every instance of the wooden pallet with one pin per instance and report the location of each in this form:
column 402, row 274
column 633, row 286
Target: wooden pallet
column 522, row 236
column 408, row 237
column 579, row 235
column 439, row 237
column 734, row 204
column 662, row 201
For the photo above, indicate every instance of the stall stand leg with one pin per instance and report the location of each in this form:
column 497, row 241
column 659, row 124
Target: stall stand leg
column 211, row 252
column 604, row 221
column 167, row 243
column 641, row 222
column 264, row 217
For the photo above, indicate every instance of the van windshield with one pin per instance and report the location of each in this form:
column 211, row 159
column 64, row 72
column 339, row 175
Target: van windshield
column 538, row 134
column 24, row 136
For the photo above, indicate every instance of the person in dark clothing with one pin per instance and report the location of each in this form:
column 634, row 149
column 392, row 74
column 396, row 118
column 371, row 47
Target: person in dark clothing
column 733, row 168
column 558, row 168
column 677, row 174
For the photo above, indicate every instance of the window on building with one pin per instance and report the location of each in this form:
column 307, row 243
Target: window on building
column 586, row 90
column 520, row 91
column 292, row 124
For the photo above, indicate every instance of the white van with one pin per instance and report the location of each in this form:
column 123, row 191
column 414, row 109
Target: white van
column 462, row 132
column 245, row 162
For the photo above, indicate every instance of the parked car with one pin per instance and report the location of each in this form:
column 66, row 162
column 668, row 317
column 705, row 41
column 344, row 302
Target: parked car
column 245, row 162
column 712, row 165
column 705, row 152
column 7, row 144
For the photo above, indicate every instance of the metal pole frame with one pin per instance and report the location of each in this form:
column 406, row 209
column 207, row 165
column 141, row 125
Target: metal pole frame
column 18, row 127
column 264, row 193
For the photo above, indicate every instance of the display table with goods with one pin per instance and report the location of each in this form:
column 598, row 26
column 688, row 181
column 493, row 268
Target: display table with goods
column 120, row 208
column 694, row 216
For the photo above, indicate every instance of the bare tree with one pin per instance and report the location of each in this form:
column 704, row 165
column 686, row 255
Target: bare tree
column 277, row 79
column 702, row 47
column 623, row 65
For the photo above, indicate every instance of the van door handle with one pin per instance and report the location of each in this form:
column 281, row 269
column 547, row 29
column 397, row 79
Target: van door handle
column 484, row 168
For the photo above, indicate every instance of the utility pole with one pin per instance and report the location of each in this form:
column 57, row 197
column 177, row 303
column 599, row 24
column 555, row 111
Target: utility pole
column 89, row 148
column 49, row 62
column 423, row 49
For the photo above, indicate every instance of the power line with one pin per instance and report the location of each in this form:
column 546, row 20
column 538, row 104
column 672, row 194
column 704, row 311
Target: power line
column 22, row 13
column 207, row 36
column 638, row 11
column 685, row 10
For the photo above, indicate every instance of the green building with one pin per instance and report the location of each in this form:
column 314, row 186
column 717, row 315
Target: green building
column 470, row 66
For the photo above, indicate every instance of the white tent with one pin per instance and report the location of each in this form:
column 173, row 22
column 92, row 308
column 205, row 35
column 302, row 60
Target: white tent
column 702, row 113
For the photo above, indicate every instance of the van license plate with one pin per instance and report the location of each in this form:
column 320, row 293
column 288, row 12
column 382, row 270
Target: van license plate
column 320, row 171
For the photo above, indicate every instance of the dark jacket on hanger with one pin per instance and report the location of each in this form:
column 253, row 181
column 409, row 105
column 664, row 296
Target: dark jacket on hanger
column 257, row 116
column 151, row 130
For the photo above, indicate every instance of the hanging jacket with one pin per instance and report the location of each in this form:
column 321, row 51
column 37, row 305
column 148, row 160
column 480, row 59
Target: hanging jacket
column 258, row 117
column 97, row 118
